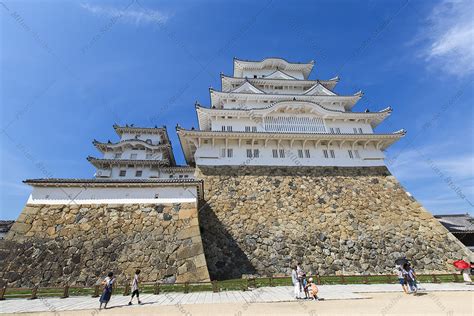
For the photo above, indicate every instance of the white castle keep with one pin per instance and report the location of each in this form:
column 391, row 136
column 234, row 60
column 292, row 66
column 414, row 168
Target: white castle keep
column 270, row 114
column 267, row 114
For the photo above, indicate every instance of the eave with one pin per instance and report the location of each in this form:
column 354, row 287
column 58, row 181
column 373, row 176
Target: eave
column 99, row 162
column 226, row 82
column 103, row 147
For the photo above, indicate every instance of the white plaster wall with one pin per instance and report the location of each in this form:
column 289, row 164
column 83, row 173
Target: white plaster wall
column 155, row 138
column 98, row 195
column 141, row 154
column 251, row 104
column 266, row 72
column 208, row 155
column 147, row 172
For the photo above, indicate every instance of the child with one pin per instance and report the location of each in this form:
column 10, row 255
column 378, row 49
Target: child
column 305, row 288
column 312, row 289
column 401, row 278
column 135, row 290
column 107, row 292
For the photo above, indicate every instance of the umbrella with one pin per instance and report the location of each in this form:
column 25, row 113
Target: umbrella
column 461, row 264
column 401, row 261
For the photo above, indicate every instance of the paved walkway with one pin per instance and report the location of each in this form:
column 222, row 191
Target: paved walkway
column 260, row 295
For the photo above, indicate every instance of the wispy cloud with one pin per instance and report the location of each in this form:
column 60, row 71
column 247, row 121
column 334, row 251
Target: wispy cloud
column 448, row 37
column 132, row 14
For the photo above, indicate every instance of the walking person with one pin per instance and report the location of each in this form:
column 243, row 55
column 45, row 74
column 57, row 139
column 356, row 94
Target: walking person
column 135, row 288
column 107, row 292
column 401, row 278
column 295, row 281
column 411, row 278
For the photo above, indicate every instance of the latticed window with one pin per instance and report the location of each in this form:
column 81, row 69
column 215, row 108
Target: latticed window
column 300, row 153
column 294, row 124
column 247, row 128
column 275, row 153
column 256, row 153
column 123, row 173
column 282, row 153
column 325, row 153
column 350, row 154
column 338, row 130
column 138, row 173
column 306, row 153
column 360, row 130
column 223, row 151
column 230, row 152
column 356, row 152
column 249, row 153
column 333, row 155
column 254, row 129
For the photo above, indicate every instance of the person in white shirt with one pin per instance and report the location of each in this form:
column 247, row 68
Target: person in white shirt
column 135, row 289
column 295, row 281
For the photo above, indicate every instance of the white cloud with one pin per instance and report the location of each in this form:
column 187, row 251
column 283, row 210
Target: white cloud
column 449, row 37
column 134, row 13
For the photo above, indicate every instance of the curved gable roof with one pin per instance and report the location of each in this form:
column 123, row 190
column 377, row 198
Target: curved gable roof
column 247, row 87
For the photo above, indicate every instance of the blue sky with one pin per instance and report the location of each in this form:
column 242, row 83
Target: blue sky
column 71, row 69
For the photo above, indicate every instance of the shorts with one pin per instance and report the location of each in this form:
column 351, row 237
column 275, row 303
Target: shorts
column 402, row 281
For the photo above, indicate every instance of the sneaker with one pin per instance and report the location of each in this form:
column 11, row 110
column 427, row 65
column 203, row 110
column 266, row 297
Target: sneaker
column 129, row 303
column 139, row 302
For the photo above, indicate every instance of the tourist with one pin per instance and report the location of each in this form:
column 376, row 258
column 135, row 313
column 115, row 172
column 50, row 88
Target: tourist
column 312, row 289
column 411, row 277
column 135, row 290
column 295, row 281
column 401, row 278
column 305, row 288
column 300, row 274
column 107, row 292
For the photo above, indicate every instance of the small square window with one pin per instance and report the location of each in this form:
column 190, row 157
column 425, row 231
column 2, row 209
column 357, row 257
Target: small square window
column 149, row 156
column 133, row 156
column 123, row 173
column 118, row 155
column 138, row 173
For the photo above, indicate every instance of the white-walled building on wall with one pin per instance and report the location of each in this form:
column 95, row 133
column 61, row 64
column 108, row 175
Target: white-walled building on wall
column 141, row 153
column 269, row 113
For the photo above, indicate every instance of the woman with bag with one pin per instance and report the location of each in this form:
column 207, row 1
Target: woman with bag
column 107, row 292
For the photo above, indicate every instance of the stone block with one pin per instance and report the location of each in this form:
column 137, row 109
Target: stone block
column 188, row 232
column 186, row 213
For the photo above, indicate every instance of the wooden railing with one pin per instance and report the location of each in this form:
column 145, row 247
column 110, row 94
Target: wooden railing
column 214, row 286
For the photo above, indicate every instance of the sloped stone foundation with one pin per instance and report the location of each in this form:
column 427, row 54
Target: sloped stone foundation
column 259, row 220
column 79, row 244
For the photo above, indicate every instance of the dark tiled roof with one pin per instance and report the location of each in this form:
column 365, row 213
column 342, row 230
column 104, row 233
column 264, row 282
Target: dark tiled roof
column 457, row 222
column 5, row 225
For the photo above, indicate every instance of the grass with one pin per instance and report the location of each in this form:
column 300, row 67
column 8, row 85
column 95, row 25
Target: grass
column 228, row 285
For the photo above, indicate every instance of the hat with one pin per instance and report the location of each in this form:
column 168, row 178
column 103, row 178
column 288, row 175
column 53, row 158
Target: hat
column 310, row 280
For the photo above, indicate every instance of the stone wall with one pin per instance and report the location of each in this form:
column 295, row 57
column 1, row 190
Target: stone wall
column 78, row 244
column 259, row 220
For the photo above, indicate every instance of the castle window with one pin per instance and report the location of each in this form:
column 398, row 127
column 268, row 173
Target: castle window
column 350, row 154
column 278, row 87
column 360, row 130
column 275, row 153
column 249, row 153
column 338, row 130
column 325, row 153
column 355, row 130
column 333, row 155
column 247, row 128
column 186, row 176
column 300, row 153
column 118, row 155
column 282, row 153
column 180, row 176
column 332, row 130
column 230, row 152
column 254, row 129
column 138, row 173
column 123, row 173
column 223, row 128
column 255, row 76
column 229, row 128
column 171, row 176
column 306, row 153
column 356, row 153
column 222, row 152
column 256, row 153
column 133, row 156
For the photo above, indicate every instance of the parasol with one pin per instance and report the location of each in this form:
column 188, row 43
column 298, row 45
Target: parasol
column 461, row 264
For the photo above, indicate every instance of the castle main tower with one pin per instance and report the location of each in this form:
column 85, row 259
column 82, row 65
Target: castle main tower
column 270, row 114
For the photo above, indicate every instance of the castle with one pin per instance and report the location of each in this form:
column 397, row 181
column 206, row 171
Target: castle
column 280, row 169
